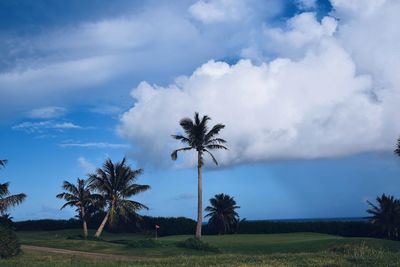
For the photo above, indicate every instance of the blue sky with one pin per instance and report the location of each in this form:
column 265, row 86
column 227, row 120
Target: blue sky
column 308, row 99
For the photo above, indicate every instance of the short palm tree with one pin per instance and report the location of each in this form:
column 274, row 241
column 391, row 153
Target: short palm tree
column 386, row 214
column 116, row 183
column 81, row 197
column 6, row 199
column 222, row 213
column 197, row 137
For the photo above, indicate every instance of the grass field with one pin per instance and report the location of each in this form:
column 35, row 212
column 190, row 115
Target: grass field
column 297, row 249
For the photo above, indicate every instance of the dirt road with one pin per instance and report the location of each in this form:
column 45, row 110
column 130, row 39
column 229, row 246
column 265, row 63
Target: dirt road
column 81, row 253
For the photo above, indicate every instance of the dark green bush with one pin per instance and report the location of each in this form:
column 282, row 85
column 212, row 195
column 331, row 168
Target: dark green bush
column 145, row 243
column 197, row 244
column 9, row 245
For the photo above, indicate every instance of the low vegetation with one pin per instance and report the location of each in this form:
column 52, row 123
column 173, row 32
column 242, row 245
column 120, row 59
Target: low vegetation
column 9, row 244
column 299, row 249
column 197, row 244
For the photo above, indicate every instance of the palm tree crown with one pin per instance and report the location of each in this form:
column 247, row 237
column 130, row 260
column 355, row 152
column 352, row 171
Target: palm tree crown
column 222, row 213
column 386, row 214
column 78, row 195
column 6, row 199
column 199, row 138
column 116, row 182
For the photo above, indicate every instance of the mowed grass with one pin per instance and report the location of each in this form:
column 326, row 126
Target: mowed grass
column 167, row 246
column 352, row 256
column 295, row 249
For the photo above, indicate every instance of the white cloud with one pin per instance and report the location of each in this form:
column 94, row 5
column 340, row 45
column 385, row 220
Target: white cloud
column 86, row 165
column 47, row 112
column 213, row 11
column 42, row 125
column 79, row 63
column 317, row 100
column 95, row 145
column 68, row 61
column 347, row 9
column 295, row 39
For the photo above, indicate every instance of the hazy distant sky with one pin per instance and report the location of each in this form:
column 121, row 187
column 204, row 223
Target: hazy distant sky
column 309, row 92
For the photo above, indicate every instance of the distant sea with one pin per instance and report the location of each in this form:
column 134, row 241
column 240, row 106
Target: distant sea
column 338, row 219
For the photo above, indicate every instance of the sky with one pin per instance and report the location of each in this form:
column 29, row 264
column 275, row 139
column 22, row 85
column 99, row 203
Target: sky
column 308, row 91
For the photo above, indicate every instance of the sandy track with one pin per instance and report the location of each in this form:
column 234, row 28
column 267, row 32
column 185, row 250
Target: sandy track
column 81, row 253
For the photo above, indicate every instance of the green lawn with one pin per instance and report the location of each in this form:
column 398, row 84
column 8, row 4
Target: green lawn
column 297, row 249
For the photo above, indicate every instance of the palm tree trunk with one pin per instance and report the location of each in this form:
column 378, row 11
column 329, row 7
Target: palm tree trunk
column 101, row 227
column 199, row 196
column 85, row 230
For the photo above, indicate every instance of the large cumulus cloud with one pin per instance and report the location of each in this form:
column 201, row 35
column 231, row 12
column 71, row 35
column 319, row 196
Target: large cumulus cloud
column 323, row 98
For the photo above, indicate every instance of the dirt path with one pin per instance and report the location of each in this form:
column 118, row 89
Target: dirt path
column 82, row 253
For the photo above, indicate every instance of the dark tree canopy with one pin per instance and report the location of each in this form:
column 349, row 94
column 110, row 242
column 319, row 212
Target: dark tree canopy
column 222, row 213
column 386, row 214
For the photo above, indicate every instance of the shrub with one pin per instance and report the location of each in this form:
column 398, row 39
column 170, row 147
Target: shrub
column 145, row 243
column 9, row 245
column 197, row 244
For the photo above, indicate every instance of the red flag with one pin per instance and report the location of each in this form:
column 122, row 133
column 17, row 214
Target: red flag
column 157, row 226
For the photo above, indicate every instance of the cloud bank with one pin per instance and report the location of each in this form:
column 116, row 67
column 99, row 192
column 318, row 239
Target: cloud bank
column 331, row 91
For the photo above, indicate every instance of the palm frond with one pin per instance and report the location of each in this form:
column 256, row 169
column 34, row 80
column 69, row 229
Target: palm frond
column 215, row 141
column 214, row 131
column 216, row 147
column 134, row 189
column 67, row 186
column 187, row 125
column 212, row 156
column 182, row 138
column 11, row 201
column 174, row 154
column 4, row 189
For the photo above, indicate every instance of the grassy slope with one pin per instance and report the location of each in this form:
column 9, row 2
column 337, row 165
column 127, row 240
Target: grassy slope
column 300, row 249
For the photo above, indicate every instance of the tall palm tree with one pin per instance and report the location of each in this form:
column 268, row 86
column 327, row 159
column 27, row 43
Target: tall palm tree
column 386, row 214
column 116, row 182
column 81, row 197
column 6, row 199
column 200, row 139
column 222, row 213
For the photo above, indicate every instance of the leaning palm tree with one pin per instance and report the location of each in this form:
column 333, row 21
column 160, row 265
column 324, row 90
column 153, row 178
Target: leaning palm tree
column 116, row 182
column 81, row 197
column 200, row 139
column 222, row 213
column 6, row 199
column 386, row 214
